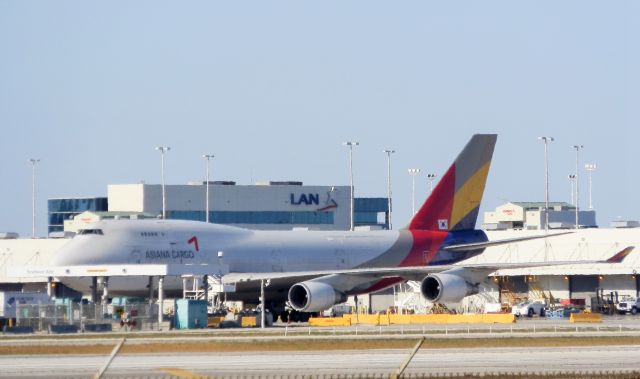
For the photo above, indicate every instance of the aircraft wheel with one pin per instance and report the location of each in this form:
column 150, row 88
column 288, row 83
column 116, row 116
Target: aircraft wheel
column 530, row 312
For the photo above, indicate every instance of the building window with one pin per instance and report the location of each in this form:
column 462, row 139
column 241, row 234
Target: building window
column 64, row 209
column 256, row 217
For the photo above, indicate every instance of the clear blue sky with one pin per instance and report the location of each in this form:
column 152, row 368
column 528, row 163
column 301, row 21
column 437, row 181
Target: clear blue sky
column 273, row 88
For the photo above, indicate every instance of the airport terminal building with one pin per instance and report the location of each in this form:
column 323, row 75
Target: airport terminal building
column 265, row 206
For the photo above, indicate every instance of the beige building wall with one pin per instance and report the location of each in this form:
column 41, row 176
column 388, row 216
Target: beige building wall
column 126, row 197
column 27, row 252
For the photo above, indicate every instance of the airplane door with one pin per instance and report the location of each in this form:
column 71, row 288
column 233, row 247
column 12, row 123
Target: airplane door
column 276, row 260
column 427, row 256
column 342, row 259
column 136, row 256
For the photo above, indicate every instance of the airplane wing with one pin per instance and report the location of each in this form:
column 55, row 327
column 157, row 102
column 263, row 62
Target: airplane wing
column 411, row 272
column 481, row 245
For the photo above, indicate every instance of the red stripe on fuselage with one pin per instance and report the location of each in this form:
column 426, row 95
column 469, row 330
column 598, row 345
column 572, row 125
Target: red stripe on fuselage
column 439, row 204
column 425, row 246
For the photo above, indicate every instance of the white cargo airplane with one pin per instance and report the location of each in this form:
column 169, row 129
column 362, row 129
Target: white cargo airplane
column 313, row 270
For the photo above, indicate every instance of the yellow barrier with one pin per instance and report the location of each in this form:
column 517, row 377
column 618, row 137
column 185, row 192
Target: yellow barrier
column 214, row 321
column 396, row 319
column 365, row 319
column 249, row 321
column 329, row 321
column 585, row 317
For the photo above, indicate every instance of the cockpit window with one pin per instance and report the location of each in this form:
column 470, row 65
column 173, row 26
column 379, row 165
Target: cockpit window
column 90, row 231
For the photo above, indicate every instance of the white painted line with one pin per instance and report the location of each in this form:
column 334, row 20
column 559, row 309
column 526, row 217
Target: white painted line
column 115, row 350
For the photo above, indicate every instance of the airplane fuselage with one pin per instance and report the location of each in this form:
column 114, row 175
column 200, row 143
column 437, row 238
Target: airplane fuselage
column 241, row 250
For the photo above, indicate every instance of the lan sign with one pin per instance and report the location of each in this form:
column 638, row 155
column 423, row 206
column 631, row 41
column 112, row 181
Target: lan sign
column 306, row 199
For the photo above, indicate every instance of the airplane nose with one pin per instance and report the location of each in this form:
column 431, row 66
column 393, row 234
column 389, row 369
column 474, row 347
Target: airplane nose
column 71, row 253
column 63, row 256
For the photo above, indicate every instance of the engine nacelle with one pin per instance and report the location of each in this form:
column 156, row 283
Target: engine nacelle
column 446, row 288
column 314, row 296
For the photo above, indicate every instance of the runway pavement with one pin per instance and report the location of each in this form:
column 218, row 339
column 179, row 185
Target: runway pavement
column 373, row 362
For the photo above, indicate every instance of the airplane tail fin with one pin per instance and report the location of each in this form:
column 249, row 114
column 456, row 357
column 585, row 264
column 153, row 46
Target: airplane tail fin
column 455, row 202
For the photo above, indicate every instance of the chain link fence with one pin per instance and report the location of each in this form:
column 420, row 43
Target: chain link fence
column 132, row 316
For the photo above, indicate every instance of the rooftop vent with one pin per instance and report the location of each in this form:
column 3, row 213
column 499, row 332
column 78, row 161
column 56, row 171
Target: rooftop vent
column 279, row 183
column 625, row 224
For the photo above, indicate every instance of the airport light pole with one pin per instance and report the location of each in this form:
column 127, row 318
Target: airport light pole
column 572, row 180
column 590, row 167
column 389, row 152
column 431, row 178
column 33, row 162
column 206, row 215
column 413, row 172
column 578, row 148
column 163, row 150
column 546, row 141
column 351, row 144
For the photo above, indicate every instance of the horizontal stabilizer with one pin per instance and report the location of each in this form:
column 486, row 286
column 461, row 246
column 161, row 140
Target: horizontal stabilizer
column 482, row 245
column 619, row 257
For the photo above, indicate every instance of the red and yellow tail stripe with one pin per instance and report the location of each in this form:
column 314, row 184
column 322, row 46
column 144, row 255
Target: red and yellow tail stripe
column 455, row 202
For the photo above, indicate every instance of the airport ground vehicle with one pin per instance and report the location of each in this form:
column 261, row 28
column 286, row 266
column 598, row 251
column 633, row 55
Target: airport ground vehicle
column 529, row 308
column 628, row 305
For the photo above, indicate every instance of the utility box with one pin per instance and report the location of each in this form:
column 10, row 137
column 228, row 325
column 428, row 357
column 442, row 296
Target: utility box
column 190, row 314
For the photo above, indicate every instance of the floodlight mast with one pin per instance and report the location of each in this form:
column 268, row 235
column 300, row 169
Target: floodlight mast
column 351, row 144
column 389, row 152
column 413, row 172
column 577, row 148
column 163, row 150
column 206, row 215
column 546, row 141
column 33, row 162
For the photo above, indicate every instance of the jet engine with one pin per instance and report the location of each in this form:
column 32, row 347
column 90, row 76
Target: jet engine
column 446, row 288
column 312, row 296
